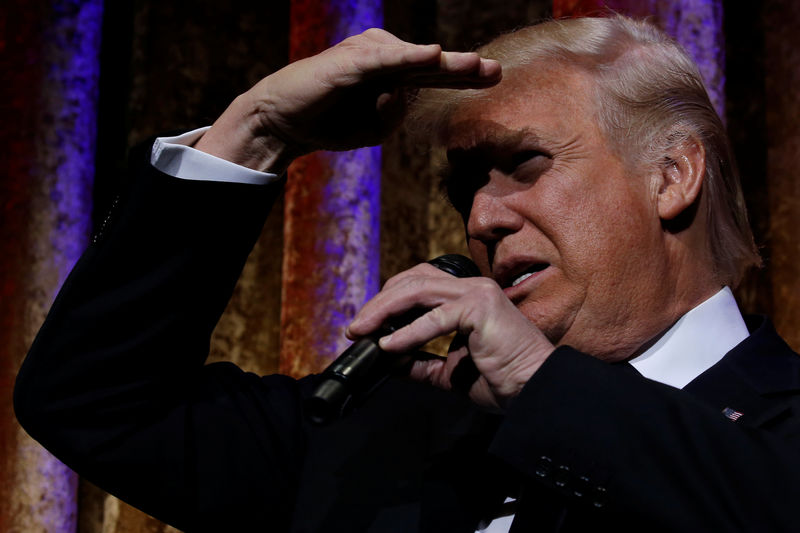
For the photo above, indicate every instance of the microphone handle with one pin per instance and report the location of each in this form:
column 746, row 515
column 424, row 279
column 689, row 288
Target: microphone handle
column 363, row 367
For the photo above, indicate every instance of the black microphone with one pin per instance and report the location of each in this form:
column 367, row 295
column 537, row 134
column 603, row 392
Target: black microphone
column 363, row 367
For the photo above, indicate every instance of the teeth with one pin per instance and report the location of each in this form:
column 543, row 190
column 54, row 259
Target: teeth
column 521, row 279
column 538, row 267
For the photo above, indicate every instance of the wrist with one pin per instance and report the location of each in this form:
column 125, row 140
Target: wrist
column 520, row 372
column 240, row 136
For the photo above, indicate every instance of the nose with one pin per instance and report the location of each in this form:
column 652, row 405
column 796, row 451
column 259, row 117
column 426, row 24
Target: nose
column 492, row 216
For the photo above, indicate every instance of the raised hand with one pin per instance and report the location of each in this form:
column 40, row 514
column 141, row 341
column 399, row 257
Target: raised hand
column 505, row 347
column 348, row 96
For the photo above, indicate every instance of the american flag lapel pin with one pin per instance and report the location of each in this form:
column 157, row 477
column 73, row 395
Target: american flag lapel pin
column 732, row 414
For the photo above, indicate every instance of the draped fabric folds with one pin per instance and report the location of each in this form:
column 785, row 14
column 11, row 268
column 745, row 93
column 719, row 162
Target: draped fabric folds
column 348, row 220
column 51, row 60
column 331, row 214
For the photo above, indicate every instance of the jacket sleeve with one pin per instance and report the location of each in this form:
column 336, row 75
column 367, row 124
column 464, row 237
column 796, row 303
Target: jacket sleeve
column 629, row 450
column 115, row 383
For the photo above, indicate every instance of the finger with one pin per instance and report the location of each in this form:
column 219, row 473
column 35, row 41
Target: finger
column 466, row 64
column 457, row 70
column 420, row 270
column 429, row 371
column 384, row 59
column 391, row 108
column 448, row 61
column 405, row 60
column 381, row 56
column 385, row 307
column 437, row 371
column 408, row 290
column 459, row 372
column 488, row 74
column 437, row 322
column 459, row 62
column 456, row 305
column 464, row 375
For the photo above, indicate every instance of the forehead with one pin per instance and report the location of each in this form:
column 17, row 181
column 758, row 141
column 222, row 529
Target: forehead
column 544, row 102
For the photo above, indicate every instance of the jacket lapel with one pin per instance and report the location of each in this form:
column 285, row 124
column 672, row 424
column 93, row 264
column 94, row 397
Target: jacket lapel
column 752, row 383
column 758, row 379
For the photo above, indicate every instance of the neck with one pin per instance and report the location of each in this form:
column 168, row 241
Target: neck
column 692, row 278
column 686, row 279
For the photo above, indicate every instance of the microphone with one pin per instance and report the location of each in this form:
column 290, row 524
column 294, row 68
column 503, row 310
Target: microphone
column 363, row 367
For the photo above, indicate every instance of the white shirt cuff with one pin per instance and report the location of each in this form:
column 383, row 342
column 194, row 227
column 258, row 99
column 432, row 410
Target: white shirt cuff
column 174, row 156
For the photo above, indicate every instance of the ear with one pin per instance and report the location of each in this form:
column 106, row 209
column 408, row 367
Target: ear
column 682, row 178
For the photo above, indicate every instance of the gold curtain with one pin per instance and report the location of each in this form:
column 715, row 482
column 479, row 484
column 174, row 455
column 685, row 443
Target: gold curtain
column 179, row 69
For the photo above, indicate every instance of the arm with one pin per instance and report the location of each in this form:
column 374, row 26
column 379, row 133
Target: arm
column 649, row 453
column 587, row 432
column 115, row 384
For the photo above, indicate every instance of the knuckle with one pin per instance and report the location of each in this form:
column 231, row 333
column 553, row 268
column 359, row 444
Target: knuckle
column 352, row 41
column 486, row 286
column 428, row 269
column 437, row 317
column 398, row 278
column 416, row 284
column 393, row 281
column 413, row 277
column 373, row 32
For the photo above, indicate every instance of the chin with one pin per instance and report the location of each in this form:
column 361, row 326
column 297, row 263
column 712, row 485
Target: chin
column 610, row 347
column 555, row 322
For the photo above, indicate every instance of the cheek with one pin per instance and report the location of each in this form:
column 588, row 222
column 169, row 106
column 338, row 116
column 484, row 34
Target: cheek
column 597, row 226
column 614, row 259
column 575, row 224
column 601, row 243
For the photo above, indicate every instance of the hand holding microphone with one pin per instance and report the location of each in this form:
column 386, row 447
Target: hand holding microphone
column 363, row 367
column 497, row 347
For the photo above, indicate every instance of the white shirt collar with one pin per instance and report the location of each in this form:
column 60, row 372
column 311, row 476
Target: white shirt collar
column 695, row 342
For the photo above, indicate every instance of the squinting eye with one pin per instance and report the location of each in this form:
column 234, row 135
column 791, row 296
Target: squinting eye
column 514, row 160
column 460, row 182
column 527, row 166
column 522, row 157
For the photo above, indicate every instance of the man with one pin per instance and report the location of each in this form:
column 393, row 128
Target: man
column 599, row 202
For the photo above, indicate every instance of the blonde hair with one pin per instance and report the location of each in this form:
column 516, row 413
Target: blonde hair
column 650, row 97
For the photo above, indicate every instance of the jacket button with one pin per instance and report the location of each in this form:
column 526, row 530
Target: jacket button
column 580, row 486
column 599, row 497
column 544, row 467
column 561, row 476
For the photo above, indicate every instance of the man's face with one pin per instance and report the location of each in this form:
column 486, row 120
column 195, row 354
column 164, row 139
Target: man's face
column 555, row 217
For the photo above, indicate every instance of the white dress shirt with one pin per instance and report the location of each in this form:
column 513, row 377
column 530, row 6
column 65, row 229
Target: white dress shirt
column 695, row 342
column 175, row 156
column 691, row 346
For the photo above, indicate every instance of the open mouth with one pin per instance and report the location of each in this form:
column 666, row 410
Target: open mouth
column 528, row 272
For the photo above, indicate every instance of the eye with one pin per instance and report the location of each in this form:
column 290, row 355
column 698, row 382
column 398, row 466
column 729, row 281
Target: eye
column 524, row 156
column 527, row 165
column 460, row 179
column 514, row 160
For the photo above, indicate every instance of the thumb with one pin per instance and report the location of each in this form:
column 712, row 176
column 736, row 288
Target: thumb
column 391, row 108
column 431, row 371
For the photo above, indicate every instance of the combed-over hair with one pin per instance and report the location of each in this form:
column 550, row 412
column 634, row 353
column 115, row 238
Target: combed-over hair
column 650, row 96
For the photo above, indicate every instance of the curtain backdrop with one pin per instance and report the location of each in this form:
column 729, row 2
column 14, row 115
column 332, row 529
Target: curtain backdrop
column 76, row 98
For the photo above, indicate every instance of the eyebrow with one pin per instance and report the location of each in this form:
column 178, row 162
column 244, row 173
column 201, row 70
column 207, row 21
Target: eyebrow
column 495, row 143
column 501, row 140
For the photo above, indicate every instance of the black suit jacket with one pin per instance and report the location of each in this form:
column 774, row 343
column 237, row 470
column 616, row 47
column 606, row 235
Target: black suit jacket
column 115, row 385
